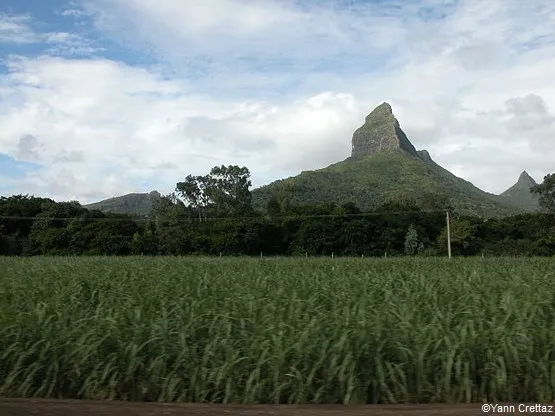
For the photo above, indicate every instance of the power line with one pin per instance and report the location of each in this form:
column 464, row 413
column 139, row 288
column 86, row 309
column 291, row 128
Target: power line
column 12, row 217
column 204, row 219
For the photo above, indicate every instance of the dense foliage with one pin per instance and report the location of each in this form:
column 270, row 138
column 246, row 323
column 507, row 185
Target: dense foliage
column 314, row 230
column 546, row 192
column 285, row 330
column 213, row 215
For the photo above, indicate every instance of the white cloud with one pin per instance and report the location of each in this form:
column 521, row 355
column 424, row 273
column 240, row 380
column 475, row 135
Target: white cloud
column 280, row 89
column 129, row 124
column 226, row 37
column 15, row 29
column 71, row 12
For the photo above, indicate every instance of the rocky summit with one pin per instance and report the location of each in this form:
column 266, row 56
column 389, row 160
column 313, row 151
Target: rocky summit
column 519, row 194
column 380, row 131
column 526, row 180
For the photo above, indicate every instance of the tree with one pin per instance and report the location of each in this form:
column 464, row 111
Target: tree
column 412, row 244
column 166, row 231
column 224, row 191
column 464, row 239
column 18, row 209
column 49, row 233
column 398, row 204
column 113, row 235
column 546, row 192
column 229, row 190
column 98, row 233
column 193, row 191
column 273, row 207
column 166, row 204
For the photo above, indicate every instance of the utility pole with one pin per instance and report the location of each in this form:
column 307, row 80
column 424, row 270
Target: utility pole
column 448, row 236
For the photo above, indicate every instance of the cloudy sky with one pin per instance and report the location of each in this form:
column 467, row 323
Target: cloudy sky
column 104, row 97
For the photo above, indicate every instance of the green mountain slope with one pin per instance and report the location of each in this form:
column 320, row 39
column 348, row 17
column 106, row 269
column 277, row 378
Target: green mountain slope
column 382, row 177
column 139, row 204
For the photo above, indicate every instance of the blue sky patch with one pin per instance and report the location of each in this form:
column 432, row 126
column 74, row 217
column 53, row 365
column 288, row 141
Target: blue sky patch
column 11, row 168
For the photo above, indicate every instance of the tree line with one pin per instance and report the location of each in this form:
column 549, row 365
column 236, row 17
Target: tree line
column 213, row 215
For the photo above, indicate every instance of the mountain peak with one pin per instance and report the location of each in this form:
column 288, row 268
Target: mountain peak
column 526, row 179
column 380, row 131
column 519, row 194
column 384, row 107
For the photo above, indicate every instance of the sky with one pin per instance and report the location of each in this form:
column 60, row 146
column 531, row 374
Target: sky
column 99, row 98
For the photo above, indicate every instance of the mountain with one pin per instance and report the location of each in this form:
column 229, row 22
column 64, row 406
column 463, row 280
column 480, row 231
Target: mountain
column 385, row 167
column 519, row 194
column 139, row 204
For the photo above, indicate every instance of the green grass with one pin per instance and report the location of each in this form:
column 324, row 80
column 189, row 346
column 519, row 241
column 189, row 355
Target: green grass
column 243, row 330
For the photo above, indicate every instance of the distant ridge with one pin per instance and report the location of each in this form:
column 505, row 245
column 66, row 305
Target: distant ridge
column 136, row 204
